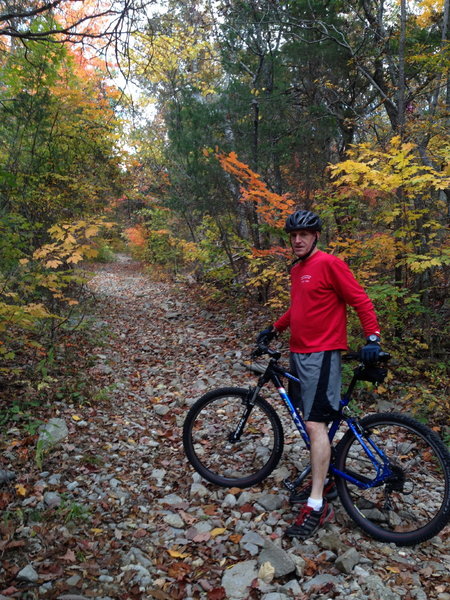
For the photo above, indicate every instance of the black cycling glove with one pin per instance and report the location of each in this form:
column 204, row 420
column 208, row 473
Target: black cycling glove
column 372, row 349
column 266, row 336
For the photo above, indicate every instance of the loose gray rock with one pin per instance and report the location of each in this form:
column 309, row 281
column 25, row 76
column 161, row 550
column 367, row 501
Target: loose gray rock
column 363, row 573
column 52, row 499
column 321, row 580
column 245, row 498
column 28, row 574
column 251, row 537
column 229, row 501
column 54, row 479
column 331, row 540
column 271, row 501
column 348, row 560
column 158, row 474
column 238, row 578
column 375, row 586
column 52, row 433
column 174, row 520
column 203, row 526
column 198, row 489
column 278, row 558
column 419, row 594
column 136, row 556
column 251, row 549
column 6, row 476
column 141, row 577
column 300, row 564
column 103, row 369
column 293, row 587
column 171, row 499
column 281, row 474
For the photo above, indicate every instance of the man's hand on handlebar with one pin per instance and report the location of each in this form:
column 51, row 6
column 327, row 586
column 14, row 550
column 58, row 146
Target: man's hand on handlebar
column 266, row 336
column 371, row 351
column 383, row 357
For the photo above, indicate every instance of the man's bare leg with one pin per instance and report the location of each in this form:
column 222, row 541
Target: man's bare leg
column 320, row 456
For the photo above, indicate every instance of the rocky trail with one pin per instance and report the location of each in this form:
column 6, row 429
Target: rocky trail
column 116, row 512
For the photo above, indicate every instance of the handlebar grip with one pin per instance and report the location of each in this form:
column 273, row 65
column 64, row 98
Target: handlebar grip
column 351, row 356
column 382, row 357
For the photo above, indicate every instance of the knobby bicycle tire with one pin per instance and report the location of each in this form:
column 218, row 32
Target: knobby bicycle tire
column 415, row 504
column 207, row 431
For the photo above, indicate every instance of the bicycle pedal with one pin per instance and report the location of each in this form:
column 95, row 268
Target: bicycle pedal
column 289, row 484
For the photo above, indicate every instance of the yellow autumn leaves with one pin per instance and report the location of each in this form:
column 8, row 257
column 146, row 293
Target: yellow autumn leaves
column 387, row 171
column 71, row 244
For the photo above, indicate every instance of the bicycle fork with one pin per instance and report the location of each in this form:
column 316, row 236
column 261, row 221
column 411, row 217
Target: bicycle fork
column 235, row 435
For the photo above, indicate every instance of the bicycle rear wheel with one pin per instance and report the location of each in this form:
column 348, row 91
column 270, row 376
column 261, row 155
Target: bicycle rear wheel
column 209, row 430
column 413, row 504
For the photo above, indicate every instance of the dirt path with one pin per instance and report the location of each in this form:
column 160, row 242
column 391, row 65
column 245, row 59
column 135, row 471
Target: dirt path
column 118, row 513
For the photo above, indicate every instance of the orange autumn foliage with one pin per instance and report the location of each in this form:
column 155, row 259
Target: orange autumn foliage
column 136, row 236
column 274, row 250
column 272, row 208
column 87, row 17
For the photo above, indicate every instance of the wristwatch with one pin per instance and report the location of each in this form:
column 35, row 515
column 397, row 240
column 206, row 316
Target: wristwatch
column 373, row 338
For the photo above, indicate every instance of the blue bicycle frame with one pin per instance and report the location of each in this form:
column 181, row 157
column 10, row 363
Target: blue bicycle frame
column 272, row 373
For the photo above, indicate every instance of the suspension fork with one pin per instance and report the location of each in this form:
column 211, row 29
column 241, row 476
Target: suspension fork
column 250, row 400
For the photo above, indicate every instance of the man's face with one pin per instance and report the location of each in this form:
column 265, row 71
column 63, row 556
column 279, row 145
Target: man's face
column 301, row 241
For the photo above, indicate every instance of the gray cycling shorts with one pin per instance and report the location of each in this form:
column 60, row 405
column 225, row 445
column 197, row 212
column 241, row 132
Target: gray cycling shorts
column 319, row 393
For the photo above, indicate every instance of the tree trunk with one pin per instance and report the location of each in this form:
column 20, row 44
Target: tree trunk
column 401, row 69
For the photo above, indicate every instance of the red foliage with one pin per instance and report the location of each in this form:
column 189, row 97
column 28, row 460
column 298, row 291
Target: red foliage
column 271, row 207
column 136, row 235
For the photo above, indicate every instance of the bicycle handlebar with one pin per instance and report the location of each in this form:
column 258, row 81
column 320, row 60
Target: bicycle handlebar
column 382, row 357
column 261, row 349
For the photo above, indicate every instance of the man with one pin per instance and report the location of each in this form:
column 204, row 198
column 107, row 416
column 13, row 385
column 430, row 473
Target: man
column 321, row 288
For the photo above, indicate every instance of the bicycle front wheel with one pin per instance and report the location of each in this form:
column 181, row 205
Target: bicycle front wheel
column 217, row 453
column 413, row 503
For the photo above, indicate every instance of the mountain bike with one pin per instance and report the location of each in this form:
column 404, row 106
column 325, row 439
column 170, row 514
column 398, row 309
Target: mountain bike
column 392, row 473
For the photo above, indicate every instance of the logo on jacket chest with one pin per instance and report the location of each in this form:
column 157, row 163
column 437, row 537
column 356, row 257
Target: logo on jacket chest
column 306, row 279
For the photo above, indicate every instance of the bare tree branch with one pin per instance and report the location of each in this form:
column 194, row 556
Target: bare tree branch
column 113, row 20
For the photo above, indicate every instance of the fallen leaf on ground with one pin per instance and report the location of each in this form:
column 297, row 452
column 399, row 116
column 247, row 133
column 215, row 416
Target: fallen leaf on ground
column 217, row 531
column 69, row 556
column 177, row 554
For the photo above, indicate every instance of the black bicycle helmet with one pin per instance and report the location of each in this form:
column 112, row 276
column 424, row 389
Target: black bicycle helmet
column 303, row 219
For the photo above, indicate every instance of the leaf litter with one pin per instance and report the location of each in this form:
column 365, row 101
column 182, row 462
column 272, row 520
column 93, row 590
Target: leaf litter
column 128, row 517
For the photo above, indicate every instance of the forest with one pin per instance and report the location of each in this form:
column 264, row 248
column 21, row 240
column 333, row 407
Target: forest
column 189, row 130
column 150, row 154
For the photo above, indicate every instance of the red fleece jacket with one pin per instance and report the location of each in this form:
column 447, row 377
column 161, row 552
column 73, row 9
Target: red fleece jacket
column 321, row 287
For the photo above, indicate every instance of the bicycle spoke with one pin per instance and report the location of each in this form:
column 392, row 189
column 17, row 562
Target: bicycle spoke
column 211, row 433
column 415, row 498
column 230, row 450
